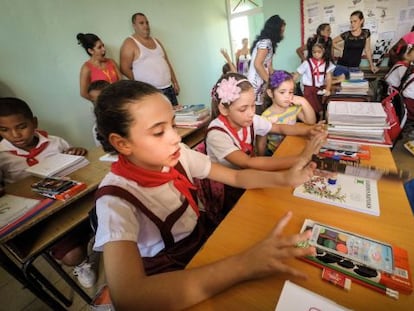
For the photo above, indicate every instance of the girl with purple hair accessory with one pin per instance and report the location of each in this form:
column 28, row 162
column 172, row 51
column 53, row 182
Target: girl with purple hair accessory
column 285, row 108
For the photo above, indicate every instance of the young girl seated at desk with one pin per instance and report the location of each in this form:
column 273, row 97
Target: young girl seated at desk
column 148, row 219
column 230, row 138
column 285, row 108
column 23, row 146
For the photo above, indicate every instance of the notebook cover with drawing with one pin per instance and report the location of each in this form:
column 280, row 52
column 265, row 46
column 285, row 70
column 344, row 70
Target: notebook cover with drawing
column 350, row 192
column 400, row 280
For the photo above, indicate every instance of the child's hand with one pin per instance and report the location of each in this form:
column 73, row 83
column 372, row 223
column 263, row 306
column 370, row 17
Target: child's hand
column 301, row 172
column 327, row 93
column 319, row 127
column 269, row 255
column 314, row 145
column 76, row 151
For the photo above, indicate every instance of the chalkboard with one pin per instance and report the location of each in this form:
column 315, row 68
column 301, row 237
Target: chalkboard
column 388, row 20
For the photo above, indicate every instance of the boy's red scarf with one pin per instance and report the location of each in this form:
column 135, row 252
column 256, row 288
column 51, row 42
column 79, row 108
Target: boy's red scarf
column 245, row 147
column 31, row 157
column 147, row 178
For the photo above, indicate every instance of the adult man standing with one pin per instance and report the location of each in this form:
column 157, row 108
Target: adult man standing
column 143, row 58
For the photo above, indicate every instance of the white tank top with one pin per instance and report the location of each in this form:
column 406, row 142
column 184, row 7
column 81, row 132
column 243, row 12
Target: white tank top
column 151, row 66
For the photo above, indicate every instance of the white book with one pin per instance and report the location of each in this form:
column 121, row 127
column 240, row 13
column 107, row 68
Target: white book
column 356, row 112
column 12, row 207
column 355, row 193
column 297, row 298
column 57, row 165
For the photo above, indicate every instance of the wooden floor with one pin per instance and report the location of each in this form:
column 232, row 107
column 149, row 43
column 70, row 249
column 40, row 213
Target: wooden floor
column 15, row 297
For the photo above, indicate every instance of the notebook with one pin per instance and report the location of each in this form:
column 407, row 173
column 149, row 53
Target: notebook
column 295, row 297
column 58, row 165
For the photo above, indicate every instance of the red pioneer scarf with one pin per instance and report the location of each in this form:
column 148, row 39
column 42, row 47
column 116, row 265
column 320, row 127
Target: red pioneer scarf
column 245, row 147
column 147, row 178
column 31, row 157
column 315, row 69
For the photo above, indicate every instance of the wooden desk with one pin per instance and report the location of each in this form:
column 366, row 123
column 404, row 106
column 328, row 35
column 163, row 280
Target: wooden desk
column 33, row 238
column 192, row 136
column 255, row 215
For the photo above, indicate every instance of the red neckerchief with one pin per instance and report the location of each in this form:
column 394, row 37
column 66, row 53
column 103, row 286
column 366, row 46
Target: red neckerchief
column 315, row 70
column 245, row 147
column 31, row 157
column 147, row 178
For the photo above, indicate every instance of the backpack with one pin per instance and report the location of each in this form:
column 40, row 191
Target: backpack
column 396, row 111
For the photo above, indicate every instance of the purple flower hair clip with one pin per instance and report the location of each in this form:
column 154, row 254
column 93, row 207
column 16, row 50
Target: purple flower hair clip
column 228, row 90
column 278, row 77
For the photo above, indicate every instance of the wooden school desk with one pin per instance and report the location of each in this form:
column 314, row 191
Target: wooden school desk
column 256, row 214
column 34, row 237
column 192, row 136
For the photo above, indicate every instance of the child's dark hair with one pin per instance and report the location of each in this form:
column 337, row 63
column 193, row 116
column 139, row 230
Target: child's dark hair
column 275, row 80
column 325, row 43
column 225, row 69
column 98, row 85
column 87, row 40
column 111, row 110
column 12, row 106
column 215, row 98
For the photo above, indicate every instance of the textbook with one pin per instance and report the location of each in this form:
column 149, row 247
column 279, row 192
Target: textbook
column 390, row 284
column 59, row 164
column 15, row 210
column 58, row 188
column 351, row 192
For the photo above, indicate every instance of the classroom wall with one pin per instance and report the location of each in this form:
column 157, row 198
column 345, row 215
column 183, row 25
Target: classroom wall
column 286, row 57
column 40, row 59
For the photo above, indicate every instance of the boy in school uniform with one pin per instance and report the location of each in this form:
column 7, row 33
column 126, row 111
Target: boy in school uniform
column 23, row 145
column 94, row 89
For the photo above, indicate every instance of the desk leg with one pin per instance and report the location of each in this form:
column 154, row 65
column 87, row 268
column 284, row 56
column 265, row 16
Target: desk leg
column 35, row 277
column 16, row 272
column 66, row 277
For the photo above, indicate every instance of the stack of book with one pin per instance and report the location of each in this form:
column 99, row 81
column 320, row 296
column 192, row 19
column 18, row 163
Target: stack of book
column 354, row 87
column 358, row 123
column 58, row 188
column 192, row 116
column 58, row 165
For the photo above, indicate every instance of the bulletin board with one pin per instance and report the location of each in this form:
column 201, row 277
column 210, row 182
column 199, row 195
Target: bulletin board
column 386, row 19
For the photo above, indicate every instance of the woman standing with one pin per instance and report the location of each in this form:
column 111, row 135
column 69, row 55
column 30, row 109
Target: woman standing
column 262, row 51
column 243, row 57
column 355, row 41
column 98, row 67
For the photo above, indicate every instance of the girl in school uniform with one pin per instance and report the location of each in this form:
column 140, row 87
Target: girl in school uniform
column 230, row 138
column 316, row 74
column 285, row 108
column 98, row 67
column 396, row 74
column 148, row 219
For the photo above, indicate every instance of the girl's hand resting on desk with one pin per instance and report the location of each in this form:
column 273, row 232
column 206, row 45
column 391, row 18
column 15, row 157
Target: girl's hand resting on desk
column 268, row 256
column 317, row 129
column 76, row 151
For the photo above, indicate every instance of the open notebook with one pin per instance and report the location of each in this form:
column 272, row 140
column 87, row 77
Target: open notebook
column 58, row 165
